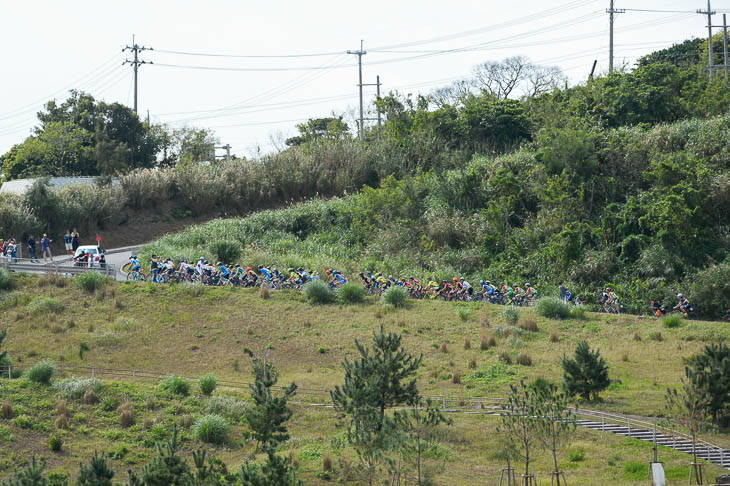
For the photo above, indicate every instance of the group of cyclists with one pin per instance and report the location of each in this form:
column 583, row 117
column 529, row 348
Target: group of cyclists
column 457, row 289
column 163, row 270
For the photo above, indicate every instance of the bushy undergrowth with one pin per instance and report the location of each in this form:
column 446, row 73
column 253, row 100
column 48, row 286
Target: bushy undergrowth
column 227, row 407
column 395, row 296
column 176, row 385
column 7, row 282
column 552, row 308
column 75, row 388
column 511, row 315
column 207, row 384
column 46, row 305
column 212, row 429
column 351, row 293
column 41, row 372
column 91, row 281
column 318, row 292
column 226, row 251
column 675, row 320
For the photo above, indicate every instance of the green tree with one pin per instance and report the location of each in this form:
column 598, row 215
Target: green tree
column 519, row 421
column 31, row 475
column 556, row 421
column 276, row 471
column 168, row 468
column 586, row 374
column 688, row 407
column 417, row 425
column 96, row 473
column 710, row 373
column 269, row 414
column 328, row 128
column 382, row 377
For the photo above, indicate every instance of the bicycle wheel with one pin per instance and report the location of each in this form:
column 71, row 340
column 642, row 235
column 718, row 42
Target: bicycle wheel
column 127, row 267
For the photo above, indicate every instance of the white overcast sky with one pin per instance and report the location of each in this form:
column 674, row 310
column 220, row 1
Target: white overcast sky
column 52, row 46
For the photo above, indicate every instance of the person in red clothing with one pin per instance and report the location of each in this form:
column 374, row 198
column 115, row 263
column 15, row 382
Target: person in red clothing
column 98, row 240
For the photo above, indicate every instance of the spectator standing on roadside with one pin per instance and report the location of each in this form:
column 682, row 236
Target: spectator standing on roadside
column 563, row 292
column 75, row 241
column 68, row 241
column 31, row 249
column 13, row 250
column 98, row 240
column 46, row 247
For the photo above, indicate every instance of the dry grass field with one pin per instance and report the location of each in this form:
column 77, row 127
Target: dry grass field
column 191, row 331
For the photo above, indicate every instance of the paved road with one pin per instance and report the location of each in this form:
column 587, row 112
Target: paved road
column 119, row 259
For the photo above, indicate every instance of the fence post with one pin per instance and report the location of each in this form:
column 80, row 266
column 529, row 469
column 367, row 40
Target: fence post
column 92, row 372
column 628, row 421
column 603, row 422
column 10, row 372
column 444, row 407
column 132, row 376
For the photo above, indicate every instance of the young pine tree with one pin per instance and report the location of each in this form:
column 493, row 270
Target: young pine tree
column 382, row 377
column 32, row 475
column 586, row 374
column 268, row 416
column 96, row 473
column 168, row 468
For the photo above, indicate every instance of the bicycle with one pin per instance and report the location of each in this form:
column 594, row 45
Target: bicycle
column 136, row 276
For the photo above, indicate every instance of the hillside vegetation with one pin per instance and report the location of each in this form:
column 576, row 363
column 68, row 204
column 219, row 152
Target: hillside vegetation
column 641, row 209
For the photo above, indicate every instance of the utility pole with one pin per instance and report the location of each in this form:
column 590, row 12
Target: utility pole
column 359, row 54
column 136, row 49
column 227, row 148
column 379, row 119
column 709, row 14
column 611, row 11
column 724, row 40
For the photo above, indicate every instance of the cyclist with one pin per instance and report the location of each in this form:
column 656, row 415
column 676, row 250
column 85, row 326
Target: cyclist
column 338, row 278
column 656, row 308
column 265, row 272
column 199, row 267
column 223, row 271
column 136, row 265
column 468, row 289
column 612, row 300
column 530, row 293
column 509, row 294
column 683, row 306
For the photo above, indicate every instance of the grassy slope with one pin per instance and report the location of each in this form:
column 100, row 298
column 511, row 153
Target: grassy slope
column 177, row 330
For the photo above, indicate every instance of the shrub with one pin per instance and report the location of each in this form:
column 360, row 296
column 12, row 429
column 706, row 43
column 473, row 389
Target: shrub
column 637, row 336
column 675, row 320
column 554, row 337
column 710, row 290
column 463, row 314
column 578, row 312
column 505, row 357
column 484, row 343
column 351, row 293
column 577, row 455
column 656, row 336
column 484, row 319
column 23, row 422
column 207, row 384
column 318, row 292
column 42, row 372
column 75, row 388
column 553, row 308
column 55, row 443
column 456, row 378
column 212, row 429
column 226, row 251
column 124, row 323
column 126, row 414
column 444, row 347
column 327, row 463
column 625, row 356
column 467, row 343
column 7, row 410
column 176, row 385
column 395, row 296
column 264, row 293
column 7, row 281
column 472, row 364
column 91, row 281
column 524, row 359
column 230, row 408
column 89, row 397
column 46, row 305
column 186, row 421
column 511, row 315
column 529, row 325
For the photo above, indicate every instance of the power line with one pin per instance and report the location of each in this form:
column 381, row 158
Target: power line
column 251, row 56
